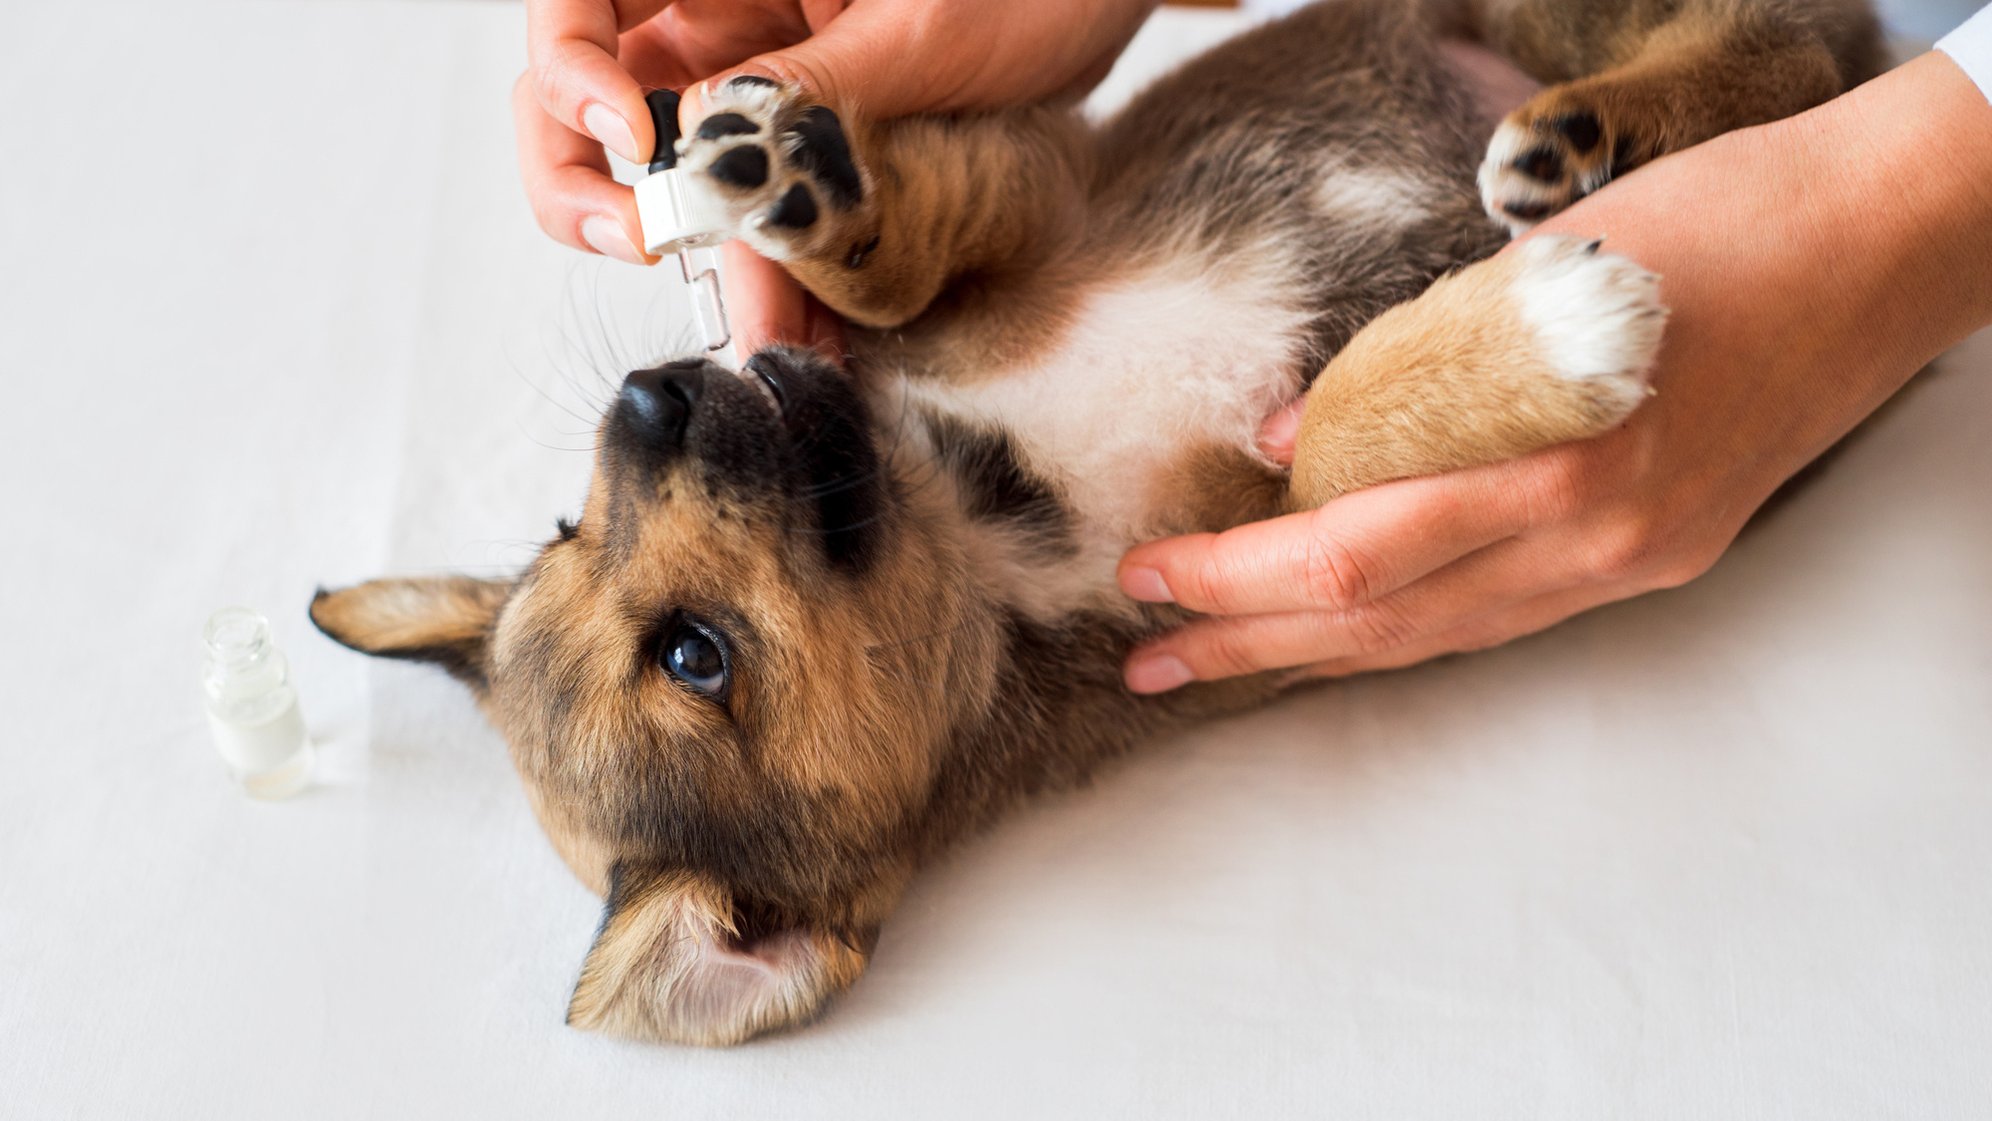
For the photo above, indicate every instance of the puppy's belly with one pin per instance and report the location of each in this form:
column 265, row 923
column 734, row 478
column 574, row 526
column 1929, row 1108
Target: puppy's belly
column 1497, row 85
column 1157, row 364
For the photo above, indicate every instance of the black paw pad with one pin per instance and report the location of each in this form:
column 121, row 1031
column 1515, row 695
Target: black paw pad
column 1540, row 163
column 727, row 124
column 748, row 81
column 821, row 150
column 1581, row 130
column 796, row 210
column 745, row 166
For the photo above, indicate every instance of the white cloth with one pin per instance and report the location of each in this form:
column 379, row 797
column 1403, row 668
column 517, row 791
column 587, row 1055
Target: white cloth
column 1970, row 46
column 273, row 312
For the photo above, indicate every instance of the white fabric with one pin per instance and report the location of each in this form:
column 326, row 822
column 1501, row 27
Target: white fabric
column 1970, row 46
column 273, row 312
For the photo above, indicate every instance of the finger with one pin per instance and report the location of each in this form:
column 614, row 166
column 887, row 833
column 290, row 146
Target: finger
column 862, row 61
column 572, row 45
column 1507, row 573
column 764, row 305
column 658, row 59
column 1347, row 553
column 1496, row 628
column 825, row 333
column 568, row 186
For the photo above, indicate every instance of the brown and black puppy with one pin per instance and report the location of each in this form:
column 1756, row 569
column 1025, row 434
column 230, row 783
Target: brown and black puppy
column 811, row 627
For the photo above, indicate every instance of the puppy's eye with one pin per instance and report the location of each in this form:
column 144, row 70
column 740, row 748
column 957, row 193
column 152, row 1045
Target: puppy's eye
column 696, row 655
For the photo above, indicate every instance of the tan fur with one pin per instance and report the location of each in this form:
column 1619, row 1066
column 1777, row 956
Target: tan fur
column 929, row 231
column 1215, row 486
column 751, row 846
column 445, row 619
column 870, row 759
column 1661, row 77
column 1454, row 379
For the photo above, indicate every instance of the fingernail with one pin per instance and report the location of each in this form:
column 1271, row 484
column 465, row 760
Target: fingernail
column 607, row 236
column 607, row 126
column 1146, row 585
column 1158, row 673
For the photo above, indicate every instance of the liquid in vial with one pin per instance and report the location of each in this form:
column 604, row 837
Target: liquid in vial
column 252, row 705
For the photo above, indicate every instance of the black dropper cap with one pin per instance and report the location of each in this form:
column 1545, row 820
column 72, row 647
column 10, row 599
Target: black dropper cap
column 664, row 118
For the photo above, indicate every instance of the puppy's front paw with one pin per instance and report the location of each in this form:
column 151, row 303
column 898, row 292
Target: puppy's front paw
column 1551, row 152
column 1597, row 321
column 781, row 166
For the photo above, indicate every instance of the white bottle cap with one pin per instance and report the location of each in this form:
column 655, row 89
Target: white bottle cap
column 674, row 217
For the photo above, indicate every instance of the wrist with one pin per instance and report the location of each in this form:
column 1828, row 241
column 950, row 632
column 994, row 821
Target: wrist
column 1910, row 156
column 1876, row 217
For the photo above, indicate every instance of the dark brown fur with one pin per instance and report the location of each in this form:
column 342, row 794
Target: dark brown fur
column 883, row 698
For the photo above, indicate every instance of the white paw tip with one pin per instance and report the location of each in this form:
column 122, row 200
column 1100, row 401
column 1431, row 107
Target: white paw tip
column 1597, row 315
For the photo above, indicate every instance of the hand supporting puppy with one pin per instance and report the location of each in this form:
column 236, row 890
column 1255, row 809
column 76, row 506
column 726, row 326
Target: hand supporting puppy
column 591, row 61
column 1852, row 245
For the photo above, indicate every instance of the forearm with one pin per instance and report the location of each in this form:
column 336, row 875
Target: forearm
column 1903, row 210
column 1914, row 149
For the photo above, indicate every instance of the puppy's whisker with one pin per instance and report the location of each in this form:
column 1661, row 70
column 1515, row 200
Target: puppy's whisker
column 550, row 399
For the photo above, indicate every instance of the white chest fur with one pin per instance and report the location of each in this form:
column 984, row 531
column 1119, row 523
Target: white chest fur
column 1155, row 363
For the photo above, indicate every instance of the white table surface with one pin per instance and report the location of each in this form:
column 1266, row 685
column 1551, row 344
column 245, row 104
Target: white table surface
column 272, row 313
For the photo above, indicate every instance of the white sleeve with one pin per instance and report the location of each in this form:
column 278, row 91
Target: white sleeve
column 1970, row 46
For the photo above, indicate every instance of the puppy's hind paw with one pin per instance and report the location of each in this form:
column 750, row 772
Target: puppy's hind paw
column 1551, row 152
column 1597, row 320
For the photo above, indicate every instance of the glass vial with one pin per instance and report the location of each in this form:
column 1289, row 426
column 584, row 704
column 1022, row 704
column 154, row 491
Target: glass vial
column 252, row 706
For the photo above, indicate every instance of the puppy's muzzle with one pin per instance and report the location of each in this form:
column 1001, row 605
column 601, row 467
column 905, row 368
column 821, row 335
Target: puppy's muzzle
column 655, row 407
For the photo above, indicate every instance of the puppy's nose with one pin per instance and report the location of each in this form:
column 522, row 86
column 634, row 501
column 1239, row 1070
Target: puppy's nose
column 658, row 403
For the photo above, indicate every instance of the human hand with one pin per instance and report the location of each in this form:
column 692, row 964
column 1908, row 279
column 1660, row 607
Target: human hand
column 591, row 60
column 1799, row 304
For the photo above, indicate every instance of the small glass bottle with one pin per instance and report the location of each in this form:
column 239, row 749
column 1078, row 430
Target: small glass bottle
column 252, row 706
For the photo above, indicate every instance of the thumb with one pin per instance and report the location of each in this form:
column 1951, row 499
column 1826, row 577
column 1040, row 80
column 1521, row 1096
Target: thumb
column 860, row 62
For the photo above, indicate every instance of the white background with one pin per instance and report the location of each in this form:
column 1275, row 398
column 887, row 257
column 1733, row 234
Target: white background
column 273, row 313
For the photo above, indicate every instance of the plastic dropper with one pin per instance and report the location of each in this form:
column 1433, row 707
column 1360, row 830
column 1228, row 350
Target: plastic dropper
column 679, row 221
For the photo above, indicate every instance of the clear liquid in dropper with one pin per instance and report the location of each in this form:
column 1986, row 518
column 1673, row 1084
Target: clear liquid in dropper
column 701, row 269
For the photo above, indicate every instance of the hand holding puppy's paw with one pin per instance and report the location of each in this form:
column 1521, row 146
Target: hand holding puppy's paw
column 780, row 166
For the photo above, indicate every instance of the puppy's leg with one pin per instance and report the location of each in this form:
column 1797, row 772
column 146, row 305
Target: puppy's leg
column 1641, row 79
column 875, row 219
column 1543, row 344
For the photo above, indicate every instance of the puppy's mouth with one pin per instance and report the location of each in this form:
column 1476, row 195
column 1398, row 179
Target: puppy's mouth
column 761, row 374
column 787, row 426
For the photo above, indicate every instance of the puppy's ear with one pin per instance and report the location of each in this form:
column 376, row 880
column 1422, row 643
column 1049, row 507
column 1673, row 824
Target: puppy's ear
column 671, row 964
column 446, row 620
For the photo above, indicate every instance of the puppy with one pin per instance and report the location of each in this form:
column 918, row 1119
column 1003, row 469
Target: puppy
column 813, row 626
